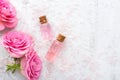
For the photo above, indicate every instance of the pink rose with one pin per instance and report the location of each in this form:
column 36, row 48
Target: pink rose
column 17, row 43
column 31, row 65
column 7, row 15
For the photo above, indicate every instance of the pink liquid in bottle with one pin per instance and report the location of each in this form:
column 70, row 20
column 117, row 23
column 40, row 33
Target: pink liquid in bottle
column 45, row 28
column 55, row 48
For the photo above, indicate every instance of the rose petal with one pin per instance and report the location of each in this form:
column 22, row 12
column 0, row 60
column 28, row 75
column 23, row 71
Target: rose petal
column 31, row 65
column 7, row 14
column 7, row 19
column 2, row 27
column 11, row 25
column 17, row 43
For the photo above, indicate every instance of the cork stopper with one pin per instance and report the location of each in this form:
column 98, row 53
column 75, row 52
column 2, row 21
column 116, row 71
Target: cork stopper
column 61, row 38
column 43, row 19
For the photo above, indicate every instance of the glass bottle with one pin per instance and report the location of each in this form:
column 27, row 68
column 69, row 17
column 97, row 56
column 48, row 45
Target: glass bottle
column 45, row 28
column 55, row 48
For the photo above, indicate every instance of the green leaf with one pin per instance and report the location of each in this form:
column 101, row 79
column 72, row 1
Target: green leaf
column 13, row 67
column 8, row 69
column 13, row 70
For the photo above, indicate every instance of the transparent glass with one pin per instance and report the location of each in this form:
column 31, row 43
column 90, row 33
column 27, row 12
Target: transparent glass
column 46, row 31
column 54, row 50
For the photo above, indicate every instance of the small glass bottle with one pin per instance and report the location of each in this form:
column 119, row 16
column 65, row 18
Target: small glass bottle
column 45, row 28
column 55, row 48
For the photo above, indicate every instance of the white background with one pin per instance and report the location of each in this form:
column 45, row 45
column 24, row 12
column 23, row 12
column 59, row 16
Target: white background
column 92, row 45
